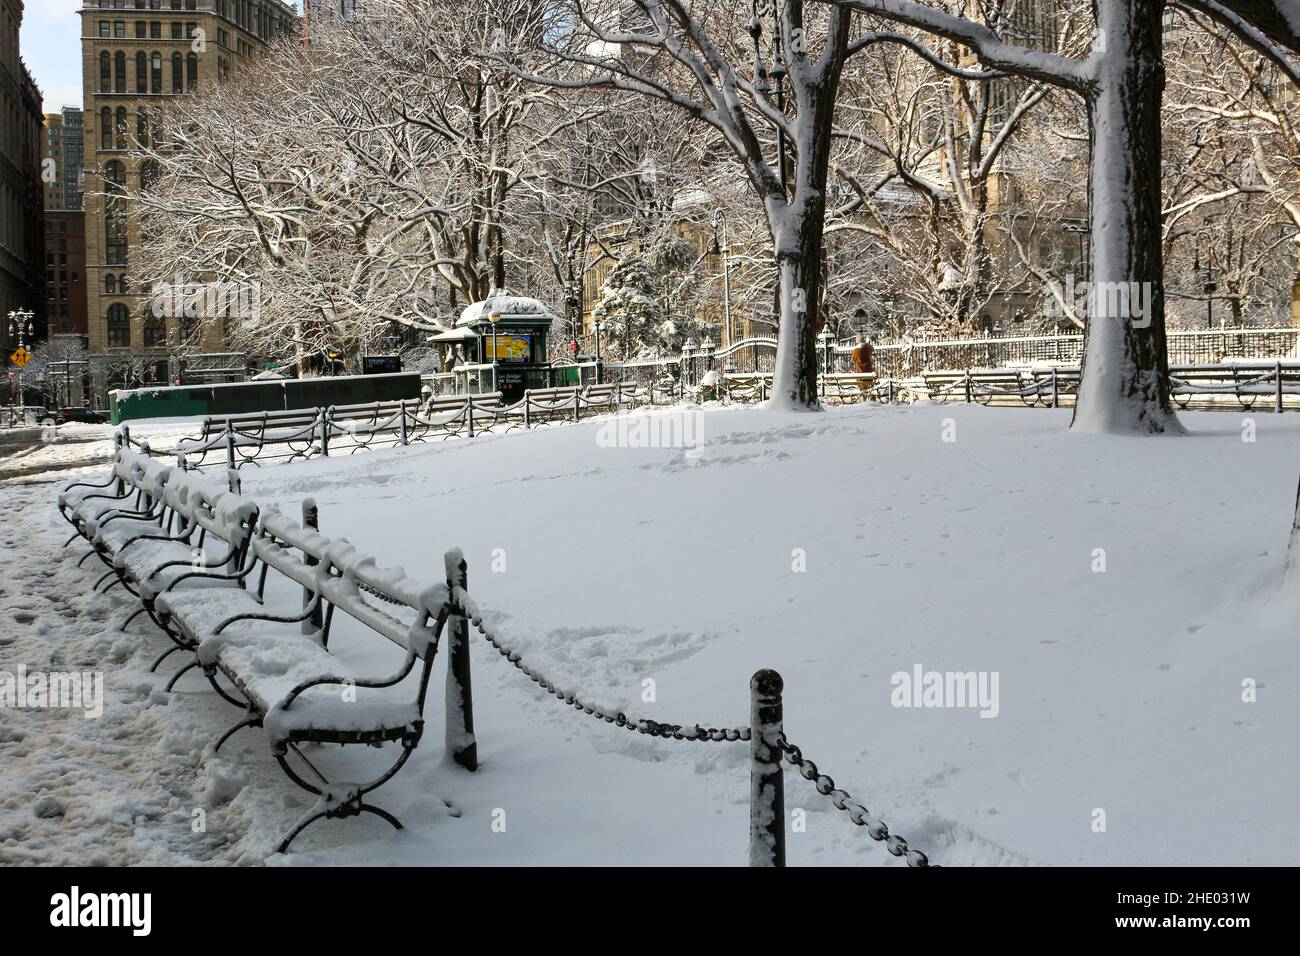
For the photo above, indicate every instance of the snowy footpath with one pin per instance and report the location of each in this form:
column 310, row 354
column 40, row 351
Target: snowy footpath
column 1118, row 603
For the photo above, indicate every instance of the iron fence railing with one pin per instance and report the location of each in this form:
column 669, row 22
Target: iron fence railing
column 234, row 441
column 901, row 359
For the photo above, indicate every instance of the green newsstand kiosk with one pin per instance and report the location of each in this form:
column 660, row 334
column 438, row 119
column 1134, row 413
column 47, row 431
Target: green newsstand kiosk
column 513, row 330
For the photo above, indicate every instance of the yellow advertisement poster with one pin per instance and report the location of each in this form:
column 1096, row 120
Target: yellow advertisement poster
column 509, row 348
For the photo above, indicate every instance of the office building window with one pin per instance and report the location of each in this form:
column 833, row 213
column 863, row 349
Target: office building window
column 119, row 326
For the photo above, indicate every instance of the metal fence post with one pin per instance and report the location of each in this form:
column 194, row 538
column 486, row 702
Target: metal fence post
column 1056, row 390
column 967, row 386
column 1277, row 368
column 766, row 778
column 461, row 743
column 577, row 403
column 315, row 621
column 528, row 418
column 230, row 446
column 325, row 432
column 403, row 420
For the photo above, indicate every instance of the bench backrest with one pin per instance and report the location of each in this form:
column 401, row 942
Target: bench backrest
column 343, row 576
column 141, row 473
column 128, row 465
column 153, row 478
column 976, row 375
column 371, row 410
column 294, row 418
column 219, row 512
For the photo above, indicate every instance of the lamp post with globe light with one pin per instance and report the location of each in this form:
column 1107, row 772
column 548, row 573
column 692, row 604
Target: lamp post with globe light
column 21, row 325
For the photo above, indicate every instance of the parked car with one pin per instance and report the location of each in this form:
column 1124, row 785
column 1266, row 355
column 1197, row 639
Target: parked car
column 87, row 416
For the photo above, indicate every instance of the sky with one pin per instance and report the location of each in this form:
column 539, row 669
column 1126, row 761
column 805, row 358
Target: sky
column 51, row 46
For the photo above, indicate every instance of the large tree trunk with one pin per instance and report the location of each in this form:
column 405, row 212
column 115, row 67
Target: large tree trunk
column 797, row 227
column 794, row 384
column 1124, row 387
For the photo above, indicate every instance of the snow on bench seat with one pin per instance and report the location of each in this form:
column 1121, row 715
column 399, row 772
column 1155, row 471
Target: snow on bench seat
column 152, row 565
column 199, row 611
column 92, row 511
column 113, row 535
column 267, row 662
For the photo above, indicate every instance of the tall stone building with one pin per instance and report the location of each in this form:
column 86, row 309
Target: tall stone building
column 63, row 150
column 65, row 145
column 21, row 228
column 137, row 54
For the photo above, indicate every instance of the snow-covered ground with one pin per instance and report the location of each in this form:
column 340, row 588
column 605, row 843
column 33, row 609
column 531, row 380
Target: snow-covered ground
column 838, row 548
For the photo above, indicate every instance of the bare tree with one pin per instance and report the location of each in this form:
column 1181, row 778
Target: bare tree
column 1232, row 212
column 690, row 58
column 367, row 183
column 941, row 163
column 1124, row 365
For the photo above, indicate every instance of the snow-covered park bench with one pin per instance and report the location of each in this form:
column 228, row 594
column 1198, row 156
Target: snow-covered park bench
column 161, row 526
column 845, row 387
column 1053, row 382
column 125, row 494
column 189, row 549
column 284, row 676
column 201, row 542
column 747, row 386
column 542, row 406
column 1246, row 383
column 981, row 385
column 234, row 440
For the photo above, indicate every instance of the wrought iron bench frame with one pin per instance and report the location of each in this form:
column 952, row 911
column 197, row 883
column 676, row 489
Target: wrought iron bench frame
column 334, row 576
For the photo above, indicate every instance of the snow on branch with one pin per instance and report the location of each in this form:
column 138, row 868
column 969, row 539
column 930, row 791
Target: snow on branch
column 1257, row 39
column 989, row 47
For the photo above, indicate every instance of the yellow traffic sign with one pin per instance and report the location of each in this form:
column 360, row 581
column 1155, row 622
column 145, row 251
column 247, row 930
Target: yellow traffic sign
column 21, row 357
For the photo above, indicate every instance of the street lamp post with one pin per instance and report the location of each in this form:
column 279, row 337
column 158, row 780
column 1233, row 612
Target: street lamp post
column 723, row 248
column 21, row 325
column 573, row 302
column 494, row 317
column 1081, row 230
column 826, row 339
column 1211, row 286
column 595, row 324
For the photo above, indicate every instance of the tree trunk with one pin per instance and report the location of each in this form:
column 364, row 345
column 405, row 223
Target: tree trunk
column 1124, row 387
column 797, row 229
column 794, row 384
